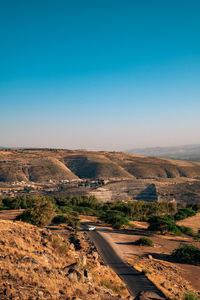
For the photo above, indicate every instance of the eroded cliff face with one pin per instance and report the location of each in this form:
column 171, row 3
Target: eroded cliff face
column 37, row 264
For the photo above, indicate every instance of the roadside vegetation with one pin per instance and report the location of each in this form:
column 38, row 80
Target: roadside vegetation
column 61, row 209
column 187, row 254
column 144, row 241
column 184, row 213
column 42, row 210
column 190, row 296
column 166, row 224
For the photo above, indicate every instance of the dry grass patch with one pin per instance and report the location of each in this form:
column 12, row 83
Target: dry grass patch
column 36, row 264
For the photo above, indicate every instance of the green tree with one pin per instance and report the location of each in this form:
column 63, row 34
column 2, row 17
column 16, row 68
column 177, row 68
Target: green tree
column 164, row 224
column 41, row 212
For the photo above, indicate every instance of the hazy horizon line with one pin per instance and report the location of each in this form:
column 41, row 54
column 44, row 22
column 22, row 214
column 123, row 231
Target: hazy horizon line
column 89, row 149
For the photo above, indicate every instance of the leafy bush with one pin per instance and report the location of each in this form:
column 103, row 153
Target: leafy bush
column 187, row 230
column 69, row 219
column 59, row 219
column 89, row 205
column 184, row 213
column 188, row 254
column 190, row 296
column 16, row 203
column 40, row 213
column 141, row 210
column 196, row 207
column 1, row 203
column 115, row 218
column 85, row 210
column 164, row 224
column 167, row 224
column 144, row 241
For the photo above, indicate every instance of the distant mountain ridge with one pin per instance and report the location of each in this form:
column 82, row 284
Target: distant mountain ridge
column 185, row 152
column 44, row 165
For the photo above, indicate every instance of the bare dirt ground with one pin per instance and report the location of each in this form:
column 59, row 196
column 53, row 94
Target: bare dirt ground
column 172, row 278
column 10, row 214
column 193, row 222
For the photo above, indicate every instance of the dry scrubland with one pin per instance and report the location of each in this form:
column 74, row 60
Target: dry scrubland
column 36, row 264
column 173, row 278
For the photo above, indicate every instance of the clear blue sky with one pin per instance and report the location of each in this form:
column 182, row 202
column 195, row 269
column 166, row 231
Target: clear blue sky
column 99, row 74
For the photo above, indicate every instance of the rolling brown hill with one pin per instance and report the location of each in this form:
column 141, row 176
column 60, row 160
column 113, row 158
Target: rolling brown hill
column 95, row 166
column 36, row 170
column 151, row 167
column 45, row 168
column 44, row 165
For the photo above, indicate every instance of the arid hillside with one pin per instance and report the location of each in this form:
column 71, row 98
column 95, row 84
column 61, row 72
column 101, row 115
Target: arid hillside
column 36, row 264
column 44, row 165
column 95, row 165
column 150, row 167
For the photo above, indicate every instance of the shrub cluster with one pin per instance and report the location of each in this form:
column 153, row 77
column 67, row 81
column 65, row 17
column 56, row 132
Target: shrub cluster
column 159, row 215
column 190, row 296
column 166, row 223
column 144, row 241
column 16, row 203
column 70, row 219
column 116, row 218
column 188, row 231
column 184, row 213
column 40, row 212
column 187, row 254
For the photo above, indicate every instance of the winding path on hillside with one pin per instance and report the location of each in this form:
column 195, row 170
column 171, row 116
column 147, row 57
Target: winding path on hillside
column 134, row 280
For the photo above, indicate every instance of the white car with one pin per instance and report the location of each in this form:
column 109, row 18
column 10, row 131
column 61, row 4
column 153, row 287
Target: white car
column 91, row 228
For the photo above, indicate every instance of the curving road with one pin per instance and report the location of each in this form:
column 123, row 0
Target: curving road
column 134, row 280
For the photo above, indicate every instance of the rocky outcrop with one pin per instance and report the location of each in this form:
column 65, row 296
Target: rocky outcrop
column 37, row 264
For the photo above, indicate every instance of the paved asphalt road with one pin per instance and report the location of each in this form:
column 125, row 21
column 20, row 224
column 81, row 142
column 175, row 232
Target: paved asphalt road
column 135, row 281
